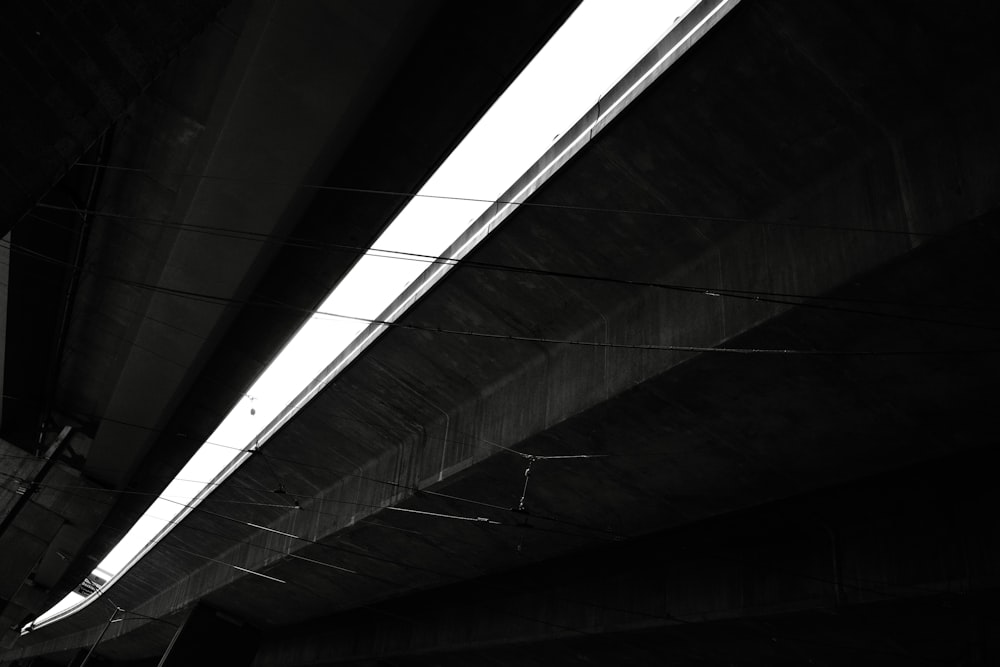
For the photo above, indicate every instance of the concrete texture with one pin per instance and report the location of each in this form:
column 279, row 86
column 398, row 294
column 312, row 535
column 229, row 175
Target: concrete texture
column 133, row 353
column 69, row 71
column 772, row 190
column 722, row 592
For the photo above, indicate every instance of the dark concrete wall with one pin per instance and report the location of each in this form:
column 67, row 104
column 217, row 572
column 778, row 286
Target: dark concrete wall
column 799, row 168
column 69, row 69
column 896, row 569
column 823, row 195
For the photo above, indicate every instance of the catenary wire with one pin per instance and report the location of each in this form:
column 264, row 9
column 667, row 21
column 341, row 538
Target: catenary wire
column 503, row 202
column 395, row 562
column 322, row 499
column 766, row 296
column 340, row 471
column 226, row 302
column 458, row 578
column 600, row 534
column 411, row 194
column 591, row 533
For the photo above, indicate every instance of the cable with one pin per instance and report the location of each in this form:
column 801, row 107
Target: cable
column 780, row 298
column 324, row 499
column 744, row 295
column 239, row 541
column 503, row 202
column 458, row 578
column 425, row 535
column 111, row 620
column 848, row 584
column 226, row 302
column 390, row 561
column 341, row 419
column 593, row 533
column 341, row 472
column 354, row 552
column 198, row 508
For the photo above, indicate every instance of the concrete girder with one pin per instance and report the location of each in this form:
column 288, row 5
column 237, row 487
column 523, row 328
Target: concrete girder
column 773, row 180
column 830, row 231
column 834, row 577
column 385, row 152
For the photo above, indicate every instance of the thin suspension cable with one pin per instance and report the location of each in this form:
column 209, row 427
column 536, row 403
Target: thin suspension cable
column 589, row 531
column 180, row 523
column 336, row 471
column 341, row 419
column 599, row 533
column 585, row 603
column 847, row 583
column 415, row 490
column 503, row 202
column 226, row 302
column 467, row 263
column 370, row 576
column 428, row 536
column 323, row 499
column 168, row 545
column 198, row 508
column 665, row 616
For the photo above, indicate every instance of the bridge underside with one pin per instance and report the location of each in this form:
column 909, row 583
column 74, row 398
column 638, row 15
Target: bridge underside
column 898, row 568
column 759, row 307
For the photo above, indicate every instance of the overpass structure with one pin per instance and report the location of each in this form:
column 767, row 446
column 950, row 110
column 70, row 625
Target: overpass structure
column 719, row 391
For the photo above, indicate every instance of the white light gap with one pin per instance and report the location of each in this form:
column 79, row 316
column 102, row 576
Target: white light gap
column 599, row 43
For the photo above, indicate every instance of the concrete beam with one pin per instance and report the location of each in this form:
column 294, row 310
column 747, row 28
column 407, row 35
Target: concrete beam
column 73, row 71
column 781, row 572
column 419, row 409
column 792, row 189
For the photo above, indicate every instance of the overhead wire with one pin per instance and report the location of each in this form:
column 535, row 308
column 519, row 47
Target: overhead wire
column 384, row 253
column 503, row 202
column 341, row 472
column 544, row 340
column 77, row 492
column 589, row 532
column 412, row 489
column 758, row 296
column 301, row 538
column 240, row 541
column 225, row 302
column 764, row 296
column 600, row 534
column 445, row 495
column 709, row 218
column 593, row 533
column 237, row 540
column 858, row 586
column 395, row 484
column 405, row 565
column 321, row 499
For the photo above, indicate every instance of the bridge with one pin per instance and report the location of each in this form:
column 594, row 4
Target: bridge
column 719, row 391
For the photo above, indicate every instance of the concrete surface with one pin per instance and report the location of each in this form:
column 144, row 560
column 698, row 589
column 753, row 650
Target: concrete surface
column 807, row 178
